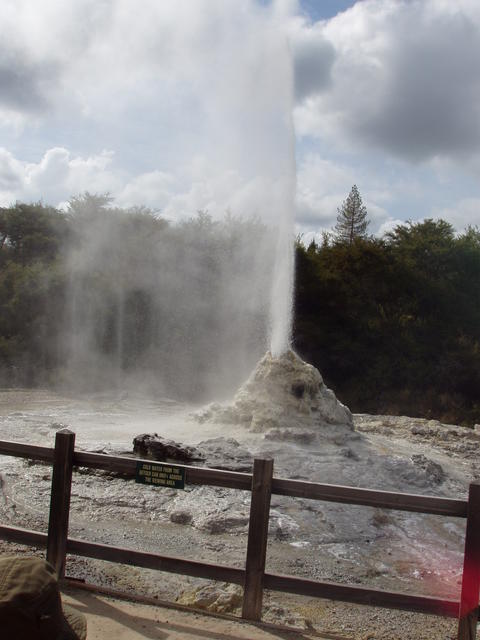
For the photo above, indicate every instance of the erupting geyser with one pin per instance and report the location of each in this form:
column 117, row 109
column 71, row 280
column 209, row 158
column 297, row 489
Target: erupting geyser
column 186, row 309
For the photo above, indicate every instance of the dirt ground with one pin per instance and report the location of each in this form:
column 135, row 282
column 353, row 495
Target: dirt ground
column 112, row 618
column 121, row 619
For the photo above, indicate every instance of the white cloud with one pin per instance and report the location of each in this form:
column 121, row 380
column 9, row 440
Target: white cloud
column 11, row 171
column 405, row 80
column 56, row 177
column 389, row 225
column 313, row 57
column 321, row 188
column 466, row 212
column 152, row 189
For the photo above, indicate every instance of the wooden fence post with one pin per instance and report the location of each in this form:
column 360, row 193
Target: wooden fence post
column 468, row 615
column 257, row 539
column 60, row 500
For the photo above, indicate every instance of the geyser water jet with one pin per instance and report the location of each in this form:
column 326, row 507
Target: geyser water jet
column 281, row 305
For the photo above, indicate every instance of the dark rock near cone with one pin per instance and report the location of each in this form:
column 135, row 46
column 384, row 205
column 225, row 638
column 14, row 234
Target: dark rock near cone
column 154, row 447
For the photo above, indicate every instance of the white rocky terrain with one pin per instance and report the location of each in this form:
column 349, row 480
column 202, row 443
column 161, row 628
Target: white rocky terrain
column 283, row 411
column 283, row 392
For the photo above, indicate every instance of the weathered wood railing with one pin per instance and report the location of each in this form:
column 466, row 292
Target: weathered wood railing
column 253, row 578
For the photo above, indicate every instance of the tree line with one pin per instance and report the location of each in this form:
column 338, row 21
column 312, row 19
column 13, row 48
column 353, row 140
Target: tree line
column 392, row 323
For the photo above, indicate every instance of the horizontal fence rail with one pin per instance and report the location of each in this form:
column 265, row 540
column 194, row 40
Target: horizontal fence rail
column 361, row 595
column 23, row 536
column 254, row 578
column 371, row 497
column 275, row 582
column 237, row 480
column 31, row 451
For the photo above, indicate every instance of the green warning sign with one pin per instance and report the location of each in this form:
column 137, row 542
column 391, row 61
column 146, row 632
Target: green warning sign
column 160, row 475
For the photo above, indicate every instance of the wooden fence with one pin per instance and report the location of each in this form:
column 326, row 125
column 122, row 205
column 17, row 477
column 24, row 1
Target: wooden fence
column 253, row 578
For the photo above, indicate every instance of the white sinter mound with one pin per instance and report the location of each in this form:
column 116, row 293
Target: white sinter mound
column 282, row 392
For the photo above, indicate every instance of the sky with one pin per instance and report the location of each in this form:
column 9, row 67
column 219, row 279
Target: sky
column 202, row 105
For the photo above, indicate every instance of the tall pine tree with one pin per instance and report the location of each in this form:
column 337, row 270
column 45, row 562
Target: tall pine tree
column 351, row 219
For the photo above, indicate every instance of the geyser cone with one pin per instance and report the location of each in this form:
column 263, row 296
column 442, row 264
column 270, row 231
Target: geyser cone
column 285, row 392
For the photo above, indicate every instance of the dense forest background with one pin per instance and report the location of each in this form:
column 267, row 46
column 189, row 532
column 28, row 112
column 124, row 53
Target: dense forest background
column 393, row 323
